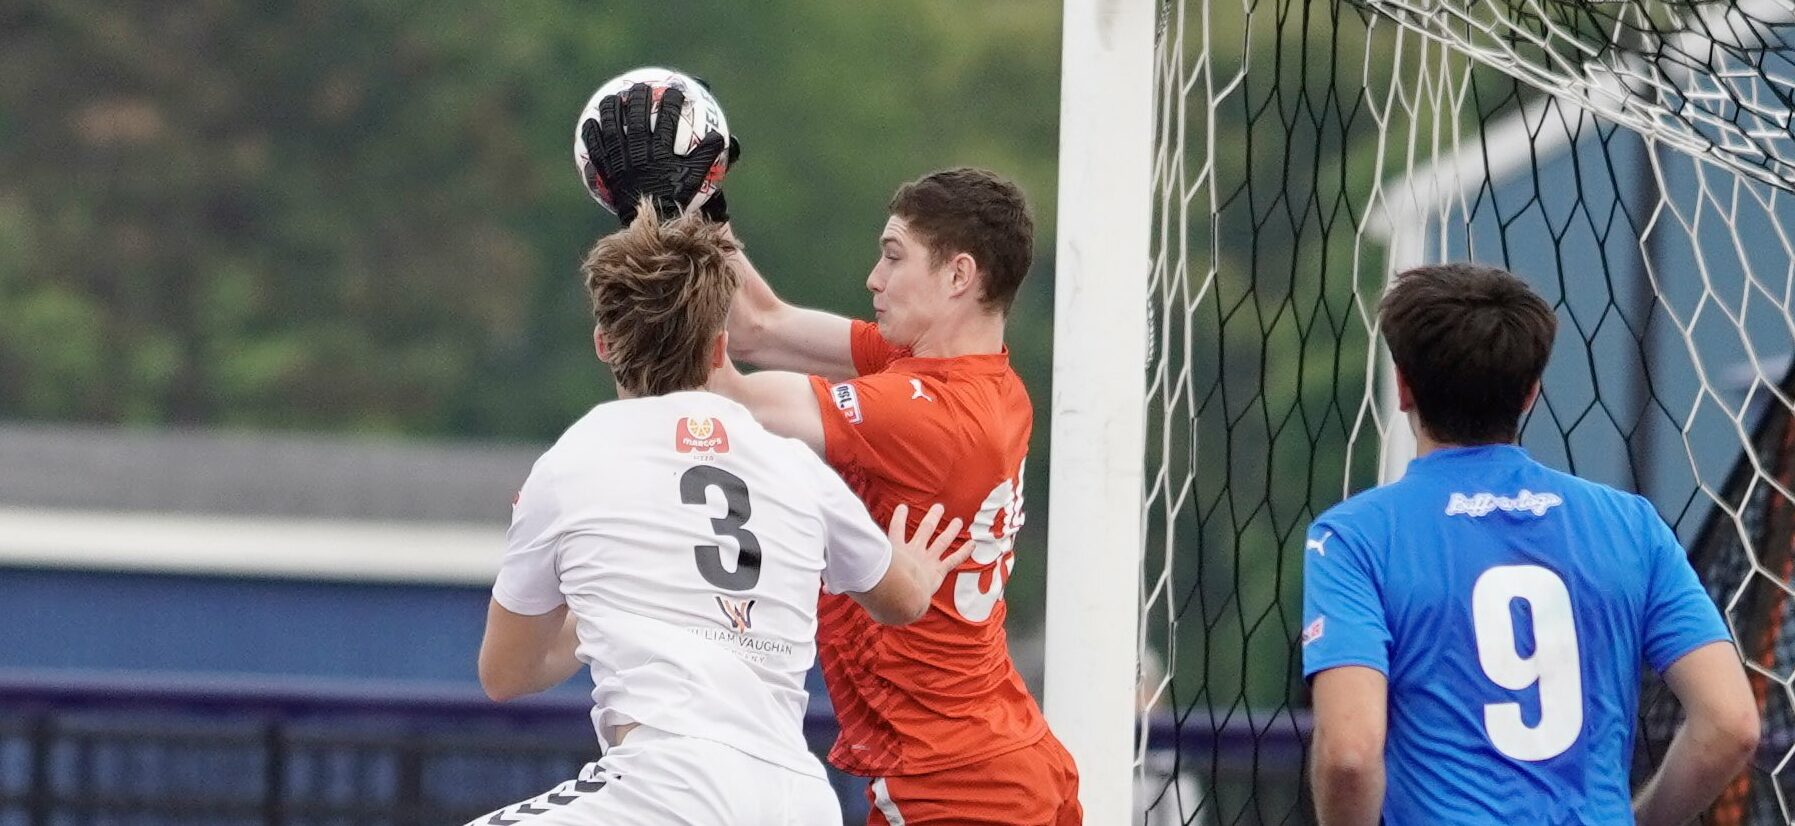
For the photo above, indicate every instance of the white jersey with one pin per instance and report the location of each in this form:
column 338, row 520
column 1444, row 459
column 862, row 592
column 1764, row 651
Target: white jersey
column 689, row 544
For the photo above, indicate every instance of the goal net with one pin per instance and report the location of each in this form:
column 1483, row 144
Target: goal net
column 1632, row 159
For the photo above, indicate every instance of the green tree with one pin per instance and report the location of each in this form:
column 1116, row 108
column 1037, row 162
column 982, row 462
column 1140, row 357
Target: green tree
column 363, row 215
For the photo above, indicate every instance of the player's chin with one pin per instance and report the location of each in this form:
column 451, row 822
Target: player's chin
column 890, row 330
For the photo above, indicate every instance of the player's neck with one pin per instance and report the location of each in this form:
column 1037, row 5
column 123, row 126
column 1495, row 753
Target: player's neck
column 981, row 335
column 1425, row 443
column 623, row 393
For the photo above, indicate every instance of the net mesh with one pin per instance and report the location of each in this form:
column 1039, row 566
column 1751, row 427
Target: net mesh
column 1709, row 78
column 1630, row 159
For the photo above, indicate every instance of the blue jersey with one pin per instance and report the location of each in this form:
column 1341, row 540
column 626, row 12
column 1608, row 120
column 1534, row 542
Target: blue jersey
column 1510, row 606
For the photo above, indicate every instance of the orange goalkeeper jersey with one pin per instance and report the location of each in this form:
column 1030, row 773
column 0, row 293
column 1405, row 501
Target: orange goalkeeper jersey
column 941, row 692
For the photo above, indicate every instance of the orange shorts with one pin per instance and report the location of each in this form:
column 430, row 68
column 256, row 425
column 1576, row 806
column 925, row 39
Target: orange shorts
column 1032, row 786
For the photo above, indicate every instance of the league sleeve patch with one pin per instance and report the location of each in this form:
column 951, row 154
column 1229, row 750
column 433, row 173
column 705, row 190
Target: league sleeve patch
column 847, row 400
column 1314, row 630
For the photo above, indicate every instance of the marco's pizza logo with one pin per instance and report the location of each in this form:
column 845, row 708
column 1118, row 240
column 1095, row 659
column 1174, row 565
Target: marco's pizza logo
column 696, row 434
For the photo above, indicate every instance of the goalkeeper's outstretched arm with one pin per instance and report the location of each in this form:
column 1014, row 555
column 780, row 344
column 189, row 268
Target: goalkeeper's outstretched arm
column 768, row 333
column 782, row 402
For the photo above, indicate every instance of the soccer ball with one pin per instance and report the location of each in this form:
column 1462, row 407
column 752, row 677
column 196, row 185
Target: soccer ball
column 697, row 118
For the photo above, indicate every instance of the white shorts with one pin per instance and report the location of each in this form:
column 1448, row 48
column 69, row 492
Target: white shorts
column 658, row 779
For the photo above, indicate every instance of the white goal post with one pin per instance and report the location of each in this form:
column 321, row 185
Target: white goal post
column 1100, row 335
column 1243, row 178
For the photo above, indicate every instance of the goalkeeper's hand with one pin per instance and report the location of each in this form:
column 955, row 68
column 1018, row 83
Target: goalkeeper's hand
column 632, row 161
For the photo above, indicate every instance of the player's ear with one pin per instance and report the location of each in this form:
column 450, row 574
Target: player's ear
column 1405, row 397
column 598, row 344
column 1532, row 396
column 963, row 274
column 720, row 350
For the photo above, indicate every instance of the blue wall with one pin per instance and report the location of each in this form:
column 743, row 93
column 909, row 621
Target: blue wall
column 135, row 621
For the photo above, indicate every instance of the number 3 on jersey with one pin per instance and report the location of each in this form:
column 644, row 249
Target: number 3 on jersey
column 993, row 531
column 694, row 489
column 1555, row 664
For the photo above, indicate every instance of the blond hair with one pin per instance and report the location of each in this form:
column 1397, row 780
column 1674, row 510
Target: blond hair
column 660, row 293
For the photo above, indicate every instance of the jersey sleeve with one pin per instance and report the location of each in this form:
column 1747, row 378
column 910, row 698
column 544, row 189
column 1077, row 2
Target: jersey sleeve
column 856, row 553
column 870, row 350
column 528, row 581
column 1343, row 609
column 1679, row 615
column 880, row 425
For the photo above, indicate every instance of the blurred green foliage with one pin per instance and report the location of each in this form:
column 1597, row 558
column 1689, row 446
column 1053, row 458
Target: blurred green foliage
column 362, row 215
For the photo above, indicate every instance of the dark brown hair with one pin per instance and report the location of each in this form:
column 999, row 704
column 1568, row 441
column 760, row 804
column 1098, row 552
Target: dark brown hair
column 976, row 212
column 660, row 293
column 1471, row 342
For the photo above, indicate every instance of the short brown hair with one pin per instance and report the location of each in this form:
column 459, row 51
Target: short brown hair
column 1471, row 341
column 660, row 293
column 976, row 212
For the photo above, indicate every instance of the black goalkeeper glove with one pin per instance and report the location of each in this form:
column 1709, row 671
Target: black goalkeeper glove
column 632, row 161
column 717, row 207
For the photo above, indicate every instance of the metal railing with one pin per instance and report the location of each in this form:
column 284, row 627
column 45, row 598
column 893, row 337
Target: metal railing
column 152, row 749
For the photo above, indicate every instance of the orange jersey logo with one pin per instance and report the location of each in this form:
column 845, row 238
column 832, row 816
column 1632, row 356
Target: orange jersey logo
column 696, row 434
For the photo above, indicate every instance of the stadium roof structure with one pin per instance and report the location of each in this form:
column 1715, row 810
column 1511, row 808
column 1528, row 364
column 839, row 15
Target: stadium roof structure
column 255, row 504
